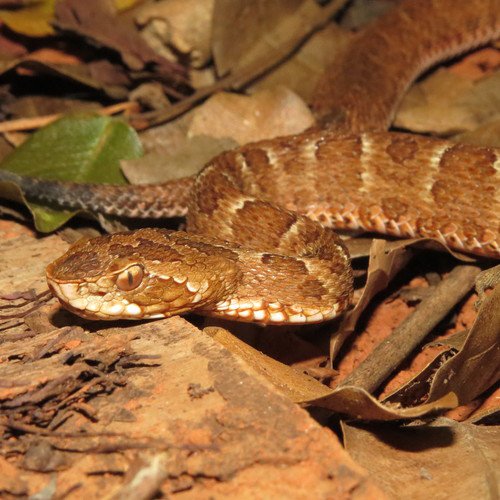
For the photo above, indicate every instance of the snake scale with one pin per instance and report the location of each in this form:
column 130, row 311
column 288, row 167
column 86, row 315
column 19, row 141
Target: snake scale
column 259, row 245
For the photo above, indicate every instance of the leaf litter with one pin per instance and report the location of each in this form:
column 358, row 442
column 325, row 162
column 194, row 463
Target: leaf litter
column 367, row 371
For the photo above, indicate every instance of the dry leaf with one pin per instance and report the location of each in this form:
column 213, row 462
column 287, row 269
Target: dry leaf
column 303, row 69
column 487, row 135
column 439, row 460
column 476, row 367
column 301, row 388
column 295, row 385
column 97, row 20
column 264, row 115
column 386, row 260
column 416, row 390
column 164, row 164
column 185, row 25
column 171, row 154
column 446, row 104
column 247, row 31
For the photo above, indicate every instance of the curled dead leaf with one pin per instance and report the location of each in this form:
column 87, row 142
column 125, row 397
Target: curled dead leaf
column 301, row 388
column 264, row 115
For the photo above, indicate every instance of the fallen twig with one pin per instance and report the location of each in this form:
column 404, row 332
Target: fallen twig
column 390, row 353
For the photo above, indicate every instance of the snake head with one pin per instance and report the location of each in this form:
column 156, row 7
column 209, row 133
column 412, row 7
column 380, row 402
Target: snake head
column 135, row 275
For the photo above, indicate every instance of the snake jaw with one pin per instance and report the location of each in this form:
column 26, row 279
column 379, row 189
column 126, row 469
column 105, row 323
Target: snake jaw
column 105, row 298
column 92, row 300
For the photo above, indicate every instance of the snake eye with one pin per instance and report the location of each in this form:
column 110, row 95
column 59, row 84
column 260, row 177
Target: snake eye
column 130, row 278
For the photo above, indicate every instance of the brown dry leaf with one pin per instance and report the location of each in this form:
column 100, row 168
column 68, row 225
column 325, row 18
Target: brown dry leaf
column 446, row 104
column 386, row 260
column 301, row 388
column 246, row 31
column 97, row 20
column 295, row 385
column 476, row 367
column 487, row 135
column 303, row 69
column 184, row 25
column 416, row 390
column 170, row 153
column 444, row 459
column 264, row 115
column 164, row 164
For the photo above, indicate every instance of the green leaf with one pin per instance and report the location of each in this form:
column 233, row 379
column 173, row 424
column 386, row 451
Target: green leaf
column 77, row 148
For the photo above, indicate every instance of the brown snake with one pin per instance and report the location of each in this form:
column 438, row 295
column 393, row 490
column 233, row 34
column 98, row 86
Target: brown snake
column 248, row 255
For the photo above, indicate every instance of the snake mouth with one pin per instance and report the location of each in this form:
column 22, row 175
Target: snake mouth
column 103, row 299
column 97, row 305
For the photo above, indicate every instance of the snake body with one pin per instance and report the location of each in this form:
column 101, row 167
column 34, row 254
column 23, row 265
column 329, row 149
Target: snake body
column 259, row 245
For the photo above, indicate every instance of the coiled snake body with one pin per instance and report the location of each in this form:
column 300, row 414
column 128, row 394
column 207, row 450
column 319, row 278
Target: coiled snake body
column 259, row 245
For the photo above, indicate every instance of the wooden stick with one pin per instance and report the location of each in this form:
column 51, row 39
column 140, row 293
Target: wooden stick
column 391, row 352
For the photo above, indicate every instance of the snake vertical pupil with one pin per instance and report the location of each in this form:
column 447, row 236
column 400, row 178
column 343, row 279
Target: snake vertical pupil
column 130, row 278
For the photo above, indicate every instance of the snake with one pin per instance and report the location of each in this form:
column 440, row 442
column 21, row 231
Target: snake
column 260, row 244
